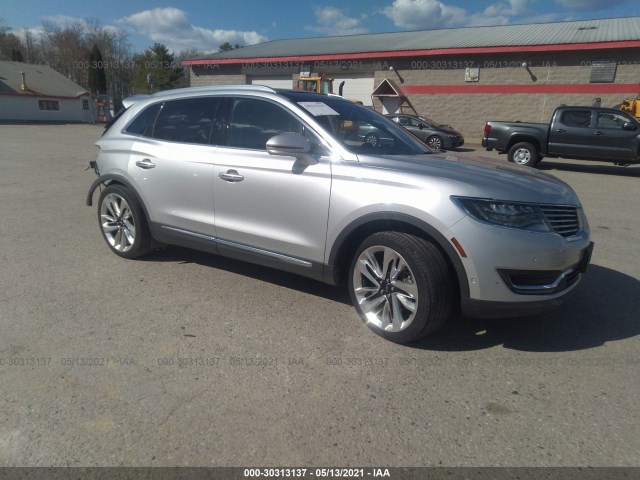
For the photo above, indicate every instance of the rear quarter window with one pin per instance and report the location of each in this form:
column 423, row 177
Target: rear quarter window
column 142, row 125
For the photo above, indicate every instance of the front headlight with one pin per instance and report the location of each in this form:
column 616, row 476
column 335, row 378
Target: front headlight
column 524, row 216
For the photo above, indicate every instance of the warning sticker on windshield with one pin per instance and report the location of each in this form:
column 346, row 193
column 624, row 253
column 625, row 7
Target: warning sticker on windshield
column 318, row 109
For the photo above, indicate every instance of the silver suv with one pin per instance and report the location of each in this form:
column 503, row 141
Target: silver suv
column 281, row 178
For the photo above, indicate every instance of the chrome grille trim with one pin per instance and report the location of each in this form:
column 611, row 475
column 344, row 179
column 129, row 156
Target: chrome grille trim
column 563, row 220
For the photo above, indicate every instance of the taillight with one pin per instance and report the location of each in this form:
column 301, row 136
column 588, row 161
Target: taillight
column 487, row 129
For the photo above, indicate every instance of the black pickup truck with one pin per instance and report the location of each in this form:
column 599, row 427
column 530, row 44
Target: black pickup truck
column 586, row 133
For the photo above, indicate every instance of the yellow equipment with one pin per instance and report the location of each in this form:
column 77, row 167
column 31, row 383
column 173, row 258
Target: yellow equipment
column 632, row 107
column 316, row 84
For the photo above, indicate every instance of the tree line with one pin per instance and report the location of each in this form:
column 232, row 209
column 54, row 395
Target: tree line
column 99, row 58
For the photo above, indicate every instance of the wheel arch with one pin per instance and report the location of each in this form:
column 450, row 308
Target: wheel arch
column 353, row 235
column 523, row 138
column 114, row 179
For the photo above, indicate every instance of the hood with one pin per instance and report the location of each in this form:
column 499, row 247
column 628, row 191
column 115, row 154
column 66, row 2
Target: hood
column 447, row 130
column 480, row 177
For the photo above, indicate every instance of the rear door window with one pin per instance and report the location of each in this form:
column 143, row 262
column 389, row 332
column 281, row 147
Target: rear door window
column 187, row 121
column 576, row 118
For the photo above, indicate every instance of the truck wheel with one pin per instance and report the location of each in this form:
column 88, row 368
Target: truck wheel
column 400, row 286
column 524, row 153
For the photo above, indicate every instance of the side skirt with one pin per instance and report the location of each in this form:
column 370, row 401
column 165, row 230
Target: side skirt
column 237, row 251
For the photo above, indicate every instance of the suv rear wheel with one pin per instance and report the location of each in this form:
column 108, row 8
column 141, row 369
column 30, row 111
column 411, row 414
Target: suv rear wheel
column 122, row 222
column 400, row 286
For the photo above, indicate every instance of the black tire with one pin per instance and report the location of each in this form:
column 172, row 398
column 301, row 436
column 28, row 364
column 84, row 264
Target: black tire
column 524, row 153
column 372, row 139
column 427, row 274
column 435, row 142
column 131, row 243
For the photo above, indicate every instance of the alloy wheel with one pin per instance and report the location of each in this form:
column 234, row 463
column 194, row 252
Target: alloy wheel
column 385, row 289
column 117, row 223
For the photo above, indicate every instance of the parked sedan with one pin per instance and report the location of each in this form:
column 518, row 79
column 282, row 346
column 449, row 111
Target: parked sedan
column 437, row 136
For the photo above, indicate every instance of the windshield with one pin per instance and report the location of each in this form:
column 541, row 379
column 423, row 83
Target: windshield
column 428, row 121
column 360, row 129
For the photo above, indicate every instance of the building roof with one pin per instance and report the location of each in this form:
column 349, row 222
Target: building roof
column 40, row 80
column 585, row 33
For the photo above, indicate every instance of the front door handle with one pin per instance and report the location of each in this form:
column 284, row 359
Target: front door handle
column 231, row 176
column 560, row 130
column 599, row 133
column 145, row 163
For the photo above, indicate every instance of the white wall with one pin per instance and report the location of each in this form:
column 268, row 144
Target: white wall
column 19, row 108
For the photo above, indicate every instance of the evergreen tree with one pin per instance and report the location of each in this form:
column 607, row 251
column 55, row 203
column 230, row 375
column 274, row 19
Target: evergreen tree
column 156, row 69
column 16, row 55
column 97, row 77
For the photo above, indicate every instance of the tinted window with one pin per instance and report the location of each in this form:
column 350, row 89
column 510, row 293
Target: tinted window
column 253, row 122
column 143, row 123
column 187, row 121
column 357, row 128
column 611, row 120
column 576, row 118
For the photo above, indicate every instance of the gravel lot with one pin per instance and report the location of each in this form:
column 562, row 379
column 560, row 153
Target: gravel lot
column 184, row 358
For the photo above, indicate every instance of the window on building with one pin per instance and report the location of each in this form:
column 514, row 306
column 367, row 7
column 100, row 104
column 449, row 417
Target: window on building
column 49, row 105
column 85, row 104
column 603, row 71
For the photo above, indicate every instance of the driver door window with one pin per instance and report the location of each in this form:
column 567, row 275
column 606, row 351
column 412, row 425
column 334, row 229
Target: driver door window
column 254, row 122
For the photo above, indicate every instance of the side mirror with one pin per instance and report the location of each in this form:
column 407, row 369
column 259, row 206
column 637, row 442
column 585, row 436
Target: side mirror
column 632, row 126
column 420, row 126
column 291, row 145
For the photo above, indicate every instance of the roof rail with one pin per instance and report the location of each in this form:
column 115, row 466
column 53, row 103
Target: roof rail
column 214, row 88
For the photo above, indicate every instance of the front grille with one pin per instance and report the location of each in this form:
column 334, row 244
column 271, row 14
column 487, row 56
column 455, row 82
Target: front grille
column 564, row 220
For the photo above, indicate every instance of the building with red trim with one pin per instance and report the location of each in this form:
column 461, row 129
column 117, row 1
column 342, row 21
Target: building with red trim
column 462, row 76
column 37, row 93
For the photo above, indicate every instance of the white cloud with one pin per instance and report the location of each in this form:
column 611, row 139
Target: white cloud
column 500, row 13
column 589, row 5
column 332, row 21
column 64, row 21
column 171, row 27
column 424, row 14
column 432, row 14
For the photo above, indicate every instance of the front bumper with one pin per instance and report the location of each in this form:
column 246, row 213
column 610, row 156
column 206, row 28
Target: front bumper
column 453, row 142
column 514, row 272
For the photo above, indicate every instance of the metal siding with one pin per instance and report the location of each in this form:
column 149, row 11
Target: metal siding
column 608, row 30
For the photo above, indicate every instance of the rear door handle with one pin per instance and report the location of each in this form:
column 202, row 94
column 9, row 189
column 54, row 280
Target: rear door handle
column 145, row 163
column 560, row 130
column 231, row 176
column 599, row 133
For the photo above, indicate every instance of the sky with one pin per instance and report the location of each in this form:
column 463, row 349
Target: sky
column 206, row 24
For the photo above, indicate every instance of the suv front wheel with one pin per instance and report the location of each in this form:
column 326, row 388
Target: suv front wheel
column 401, row 286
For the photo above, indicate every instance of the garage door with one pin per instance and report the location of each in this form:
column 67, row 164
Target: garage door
column 273, row 81
column 356, row 87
